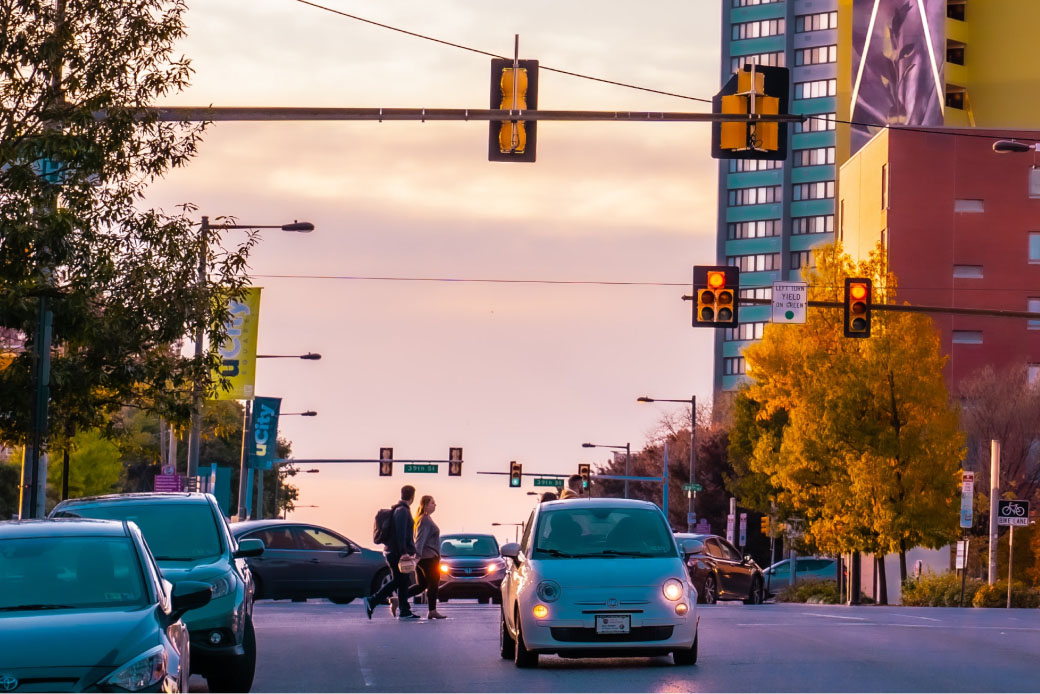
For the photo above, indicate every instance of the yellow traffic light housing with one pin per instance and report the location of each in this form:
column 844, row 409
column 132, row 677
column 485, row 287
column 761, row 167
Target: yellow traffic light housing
column 857, row 303
column 755, row 90
column 716, row 290
column 516, row 474
column 585, row 471
column 514, row 87
column 766, row 529
column 454, row 462
column 386, row 462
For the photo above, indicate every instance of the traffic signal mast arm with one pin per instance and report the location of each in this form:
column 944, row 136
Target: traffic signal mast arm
column 999, row 313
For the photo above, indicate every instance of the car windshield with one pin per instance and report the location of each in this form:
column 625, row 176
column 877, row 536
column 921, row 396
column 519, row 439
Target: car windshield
column 54, row 573
column 469, row 546
column 602, row 532
column 174, row 532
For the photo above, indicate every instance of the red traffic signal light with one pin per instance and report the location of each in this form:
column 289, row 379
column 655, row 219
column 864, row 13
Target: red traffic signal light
column 716, row 290
column 857, row 307
column 516, row 474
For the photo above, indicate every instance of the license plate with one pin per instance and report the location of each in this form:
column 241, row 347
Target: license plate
column 613, row 623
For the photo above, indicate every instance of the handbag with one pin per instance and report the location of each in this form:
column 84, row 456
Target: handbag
column 406, row 564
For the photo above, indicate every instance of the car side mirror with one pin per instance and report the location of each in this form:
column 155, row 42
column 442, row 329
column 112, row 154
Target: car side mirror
column 511, row 550
column 347, row 551
column 251, row 547
column 189, row 595
column 748, row 559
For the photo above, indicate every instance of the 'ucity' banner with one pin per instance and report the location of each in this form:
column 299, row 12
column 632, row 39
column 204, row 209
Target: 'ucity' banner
column 263, row 433
column 238, row 354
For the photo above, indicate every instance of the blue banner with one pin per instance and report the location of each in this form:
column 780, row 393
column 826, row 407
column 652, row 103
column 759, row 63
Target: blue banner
column 263, row 433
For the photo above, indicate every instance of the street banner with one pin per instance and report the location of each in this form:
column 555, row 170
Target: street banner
column 238, row 353
column 263, row 435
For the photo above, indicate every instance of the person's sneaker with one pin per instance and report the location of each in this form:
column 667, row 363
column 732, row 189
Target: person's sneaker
column 369, row 607
column 409, row 615
column 393, row 607
column 434, row 614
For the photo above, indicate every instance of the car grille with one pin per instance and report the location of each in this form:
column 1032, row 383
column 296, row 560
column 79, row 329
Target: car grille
column 473, row 572
column 587, row 634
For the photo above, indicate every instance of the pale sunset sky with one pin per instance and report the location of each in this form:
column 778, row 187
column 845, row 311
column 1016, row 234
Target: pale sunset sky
column 508, row 371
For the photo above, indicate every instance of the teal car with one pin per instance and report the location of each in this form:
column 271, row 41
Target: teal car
column 83, row 607
column 778, row 576
column 191, row 541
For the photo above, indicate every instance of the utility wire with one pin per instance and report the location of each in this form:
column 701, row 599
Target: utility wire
column 908, row 128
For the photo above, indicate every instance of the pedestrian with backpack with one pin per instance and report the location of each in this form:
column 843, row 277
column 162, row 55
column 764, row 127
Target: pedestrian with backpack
column 428, row 549
column 394, row 531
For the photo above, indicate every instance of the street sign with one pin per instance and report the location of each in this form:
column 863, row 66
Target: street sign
column 967, row 502
column 702, row 527
column 420, row 467
column 743, row 530
column 691, row 518
column 731, row 526
column 789, row 301
column 549, row 482
column 692, row 487
column 167, row 483
column 962, row 554
column 1012, row 512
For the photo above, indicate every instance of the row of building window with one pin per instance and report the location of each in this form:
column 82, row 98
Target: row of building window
column 815, row 22
column 734, row 366
column 750, row 3
column 758, row 262
column 759, row 195
column 817, row 55
column 819, row 190
column 742, row 165
column 817, row 156
column 816, row 122
column 818, row 224
column 815, row 89
column 768, row 228
column 800, row 259
column 756, row 293
column 774, row 58
column 758, row 29
column 745, row 331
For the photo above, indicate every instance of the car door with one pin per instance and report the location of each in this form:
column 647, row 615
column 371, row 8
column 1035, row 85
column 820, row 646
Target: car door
column 742, row 572
column 277, row 568
column 335, row 567
column 725, row 568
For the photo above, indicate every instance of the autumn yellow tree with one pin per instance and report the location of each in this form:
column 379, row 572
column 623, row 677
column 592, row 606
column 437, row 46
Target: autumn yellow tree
column 869, row 449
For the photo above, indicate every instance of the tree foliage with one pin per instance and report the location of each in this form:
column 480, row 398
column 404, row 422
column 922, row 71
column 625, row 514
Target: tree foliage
column 857, row 437
column 95, row 467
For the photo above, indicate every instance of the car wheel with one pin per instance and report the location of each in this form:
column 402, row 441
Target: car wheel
column 483, row 601
column 709, row 593
column 506, row 643
column 521, row 656
column 237, row 674
column 341, row 601
column 755, row 597
column 686, row 656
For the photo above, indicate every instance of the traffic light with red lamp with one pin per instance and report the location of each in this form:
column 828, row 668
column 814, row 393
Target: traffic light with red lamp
column 857, row 303
column 513, row 88
column 516, row 474
column 386, row 462
column 716, row 290
column 585, row 472
column 454, row 462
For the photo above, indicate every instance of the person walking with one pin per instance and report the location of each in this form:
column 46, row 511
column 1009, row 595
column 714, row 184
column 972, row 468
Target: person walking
column 428, row 550
column 401, row 546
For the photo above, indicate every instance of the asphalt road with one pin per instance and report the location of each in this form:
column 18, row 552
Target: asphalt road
column 318, row 646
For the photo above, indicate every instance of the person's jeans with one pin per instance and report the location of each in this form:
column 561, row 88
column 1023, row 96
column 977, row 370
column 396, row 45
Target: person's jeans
column 429, row 580
column 399, row 584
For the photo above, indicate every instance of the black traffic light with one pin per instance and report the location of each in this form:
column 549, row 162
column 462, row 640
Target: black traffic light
column 716, row 289
column 513, row 90
column 454, row 462
column 516, row 474
column 753, row 90
column 386, row 462
column 857, row 307
column 584, row 469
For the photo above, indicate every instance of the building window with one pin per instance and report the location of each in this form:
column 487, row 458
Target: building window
column 884, row 186
column 815, row 22
column 967, row 337
column 971, row 206
column 758, row 262
column 763, row 228
column 800, row 259
column 760, row 195
column 1033, row 306
column 817, row 55
column 818, row 156
column 745, row 331
column 967, row 272
column 756, row 293
column 749, row 3
column 815, row 123
column 955, row 96
column 815, row 89
column 955, row 9
column 819, row 224
column 734, row 366
column 954, row 52
column 820, row 190
column 1032, row 373
column 755, row 30
column 742, row 165
column 774, row 58
column 1034, row 247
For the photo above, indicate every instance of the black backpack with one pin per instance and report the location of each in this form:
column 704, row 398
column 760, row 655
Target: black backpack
column 383, row 529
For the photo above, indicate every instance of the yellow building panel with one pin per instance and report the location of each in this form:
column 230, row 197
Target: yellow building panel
column 861, row 218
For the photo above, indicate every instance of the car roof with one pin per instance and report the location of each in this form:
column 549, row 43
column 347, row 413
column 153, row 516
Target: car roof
column 596, row 503
column 61, row 527
column 445, row 537
column 244, row 526
column 149, row 497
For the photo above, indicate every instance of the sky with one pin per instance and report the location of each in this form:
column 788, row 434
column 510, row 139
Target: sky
column 507, row 371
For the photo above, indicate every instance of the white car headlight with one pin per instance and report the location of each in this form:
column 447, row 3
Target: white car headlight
column 548, row 591
column 673, row 589
column 221, row 586
column 143, row 671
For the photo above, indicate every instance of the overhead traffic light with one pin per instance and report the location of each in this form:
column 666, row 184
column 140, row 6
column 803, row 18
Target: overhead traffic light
column 716, row 289
column 516, row 474
column 857, row 306
column 585, row 471
column 386, row 462
column 754, row 90
column 454, row 462
column 513, row 88
column 766, row 529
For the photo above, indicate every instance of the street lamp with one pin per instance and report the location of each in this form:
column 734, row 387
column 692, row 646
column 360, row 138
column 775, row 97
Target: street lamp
column 1013, row 146
column 693, row 449
column 312, row 356
column 628, row 457
column 516, row 533
column 300, row 506
column 195, row 437
column 308, row 413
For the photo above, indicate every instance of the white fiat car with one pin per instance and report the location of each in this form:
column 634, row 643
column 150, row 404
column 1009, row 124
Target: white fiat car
column 597, row 578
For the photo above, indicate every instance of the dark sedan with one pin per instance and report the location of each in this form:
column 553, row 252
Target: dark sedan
column 471, row 567
column 84, row 607
column 719, row 571
column 302, row 561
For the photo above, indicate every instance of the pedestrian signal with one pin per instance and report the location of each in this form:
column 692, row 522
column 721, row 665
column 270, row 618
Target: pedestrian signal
column 716, row 290
column 584, row 469
column 513, row 88
column 857, row 307
column 454, row 462
column 386, row 462
column 516, row 474
column 755, row 90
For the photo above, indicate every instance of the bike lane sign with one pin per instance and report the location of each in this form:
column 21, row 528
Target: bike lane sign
column 1012, row 512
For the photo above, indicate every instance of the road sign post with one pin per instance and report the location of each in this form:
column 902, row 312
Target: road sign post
column 1012, row 512
column 549, row 482
column 967, row 499
column 789, row 301
column 420, row 467
column 743, row 530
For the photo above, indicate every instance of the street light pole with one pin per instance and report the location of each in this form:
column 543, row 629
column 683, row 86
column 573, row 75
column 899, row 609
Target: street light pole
column 628, row 458
column 691, row 495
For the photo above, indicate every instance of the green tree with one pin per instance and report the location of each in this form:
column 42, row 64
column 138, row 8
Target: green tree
column 869, row 447
column 95, row 467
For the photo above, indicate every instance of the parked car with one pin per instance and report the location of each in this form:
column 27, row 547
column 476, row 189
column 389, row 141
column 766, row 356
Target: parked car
column 84, row 607
column 471, row 567
column 191, row 541
column 597, row 578
column 302, row 561
column 778, row 576
column 719, row 571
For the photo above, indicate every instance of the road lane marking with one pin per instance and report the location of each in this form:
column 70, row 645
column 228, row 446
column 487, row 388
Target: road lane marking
column 835, row 616
column 913, row 616
column 366, row 672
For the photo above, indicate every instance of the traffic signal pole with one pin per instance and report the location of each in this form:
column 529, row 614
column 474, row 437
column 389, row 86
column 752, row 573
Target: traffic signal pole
column 905, row 308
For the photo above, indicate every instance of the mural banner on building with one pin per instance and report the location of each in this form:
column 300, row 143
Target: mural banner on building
column 238, row 353
column 898, row 56
column 260, row 453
